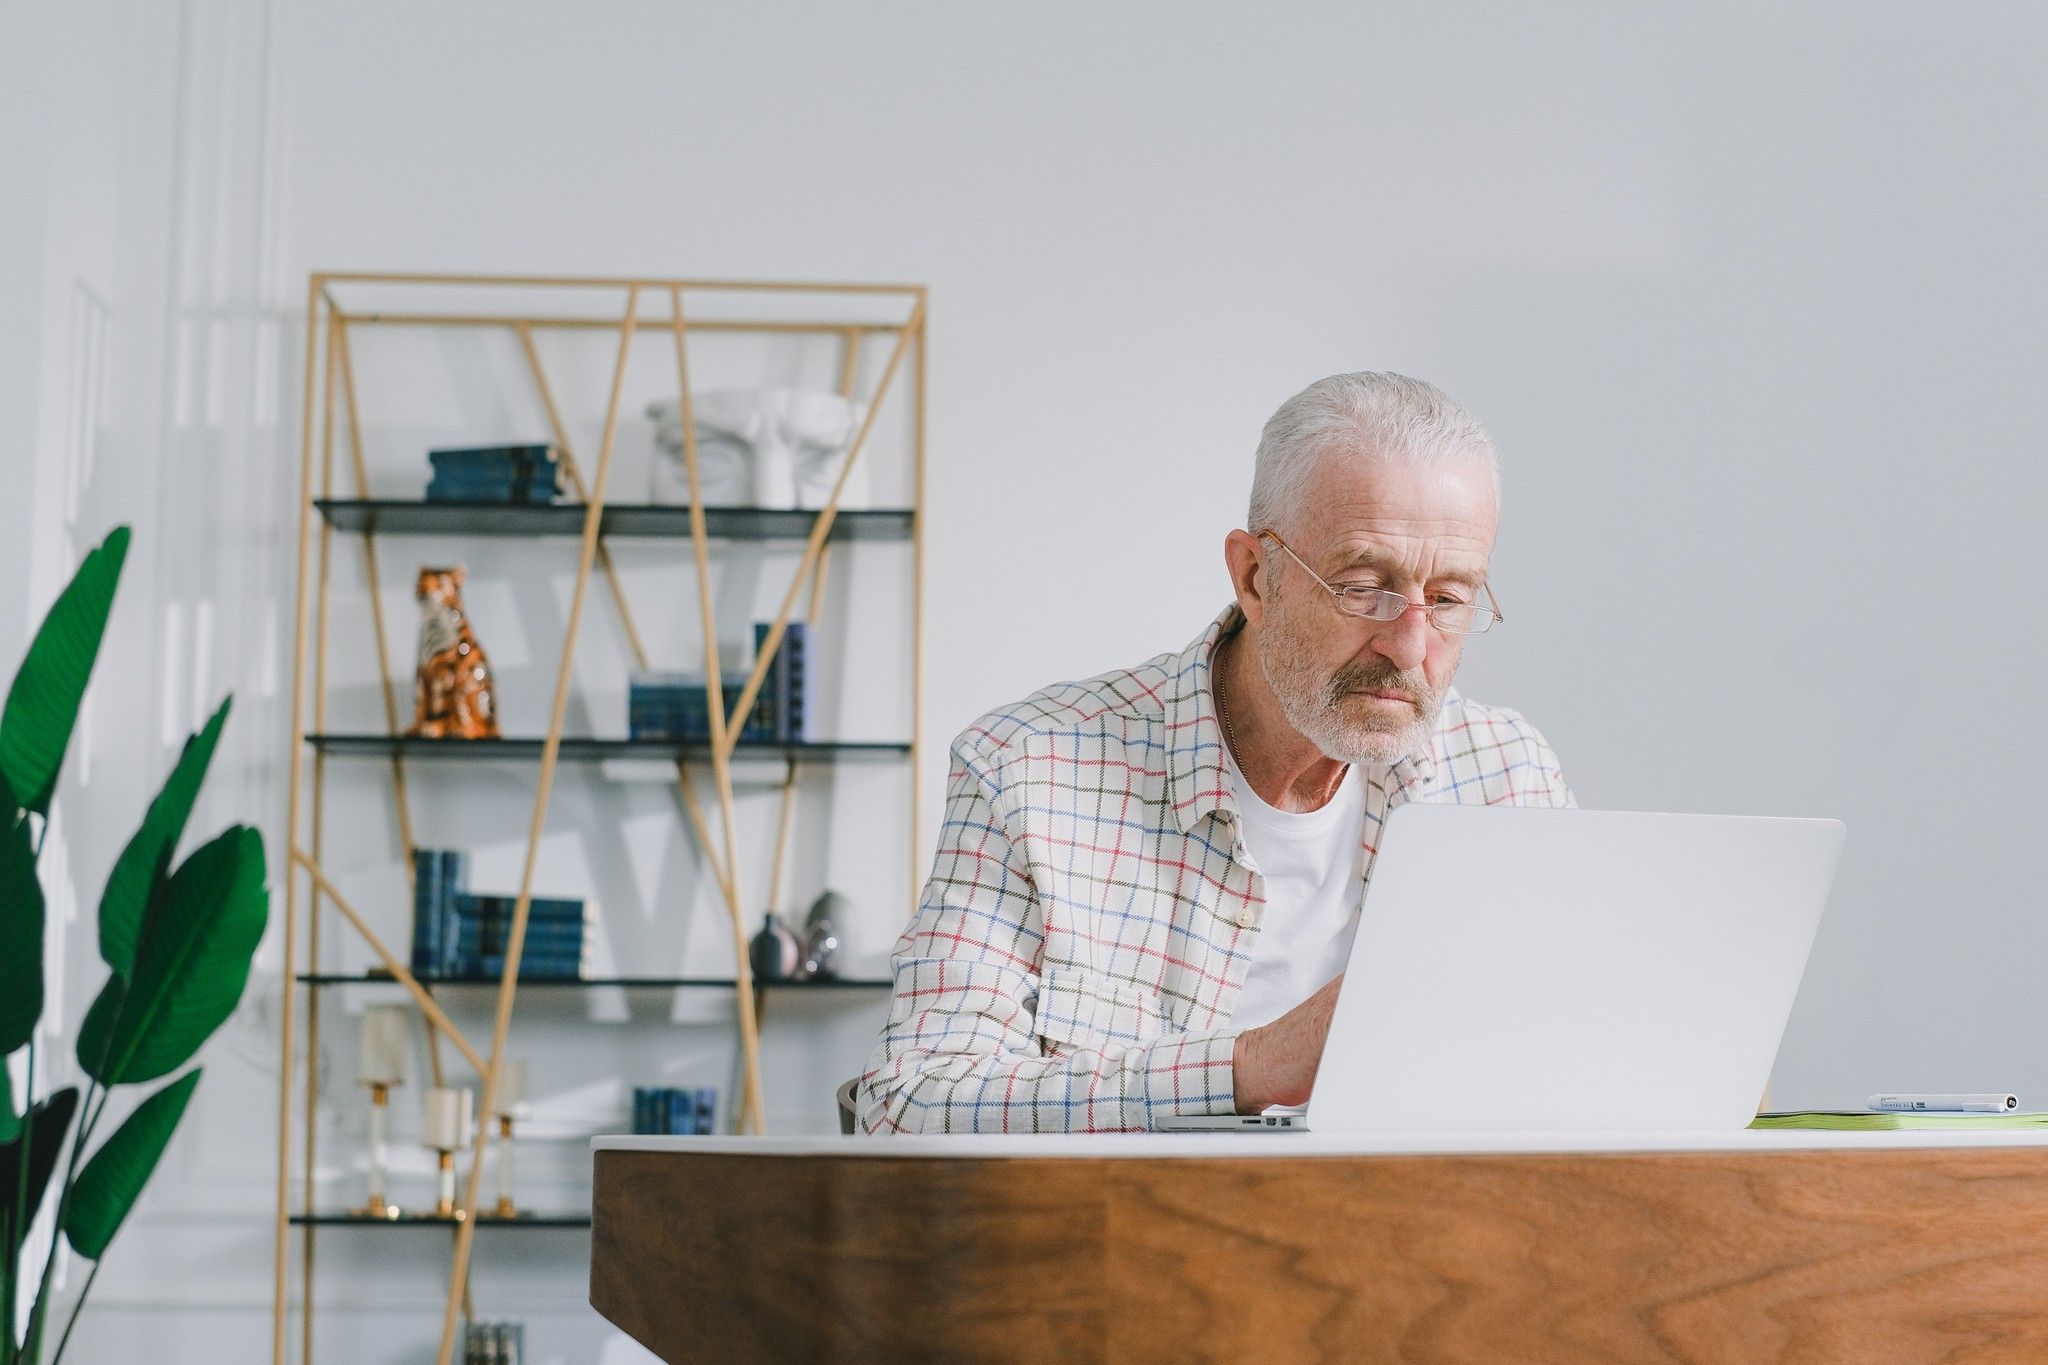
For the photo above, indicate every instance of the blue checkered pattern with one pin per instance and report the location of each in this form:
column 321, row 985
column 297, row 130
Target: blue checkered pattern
column 1092, row 911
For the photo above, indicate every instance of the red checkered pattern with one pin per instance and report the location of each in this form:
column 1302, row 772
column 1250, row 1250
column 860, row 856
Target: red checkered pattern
column 1092, row 911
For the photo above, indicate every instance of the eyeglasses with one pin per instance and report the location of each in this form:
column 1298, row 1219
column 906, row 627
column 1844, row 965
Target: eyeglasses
column 1378, row 604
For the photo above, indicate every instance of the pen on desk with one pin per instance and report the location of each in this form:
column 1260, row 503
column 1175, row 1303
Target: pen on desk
column 1943, row 1104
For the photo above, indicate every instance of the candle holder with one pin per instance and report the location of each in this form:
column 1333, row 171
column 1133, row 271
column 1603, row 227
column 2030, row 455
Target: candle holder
column 448, row 1118
column 511, row 1090
column 375, row 1206
column 382, row 1070
column 505, row 1207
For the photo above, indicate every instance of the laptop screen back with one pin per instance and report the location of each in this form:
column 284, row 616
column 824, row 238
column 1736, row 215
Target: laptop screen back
column 1532, row 970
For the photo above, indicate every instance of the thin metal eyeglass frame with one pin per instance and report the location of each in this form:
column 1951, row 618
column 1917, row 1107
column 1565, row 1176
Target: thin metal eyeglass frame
column 1341, row 595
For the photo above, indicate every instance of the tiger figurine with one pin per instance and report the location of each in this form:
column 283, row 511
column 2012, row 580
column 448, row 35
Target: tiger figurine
column 453, row 696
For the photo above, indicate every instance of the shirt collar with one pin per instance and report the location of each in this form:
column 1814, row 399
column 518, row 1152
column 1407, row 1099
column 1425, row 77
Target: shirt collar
column 1197, row 784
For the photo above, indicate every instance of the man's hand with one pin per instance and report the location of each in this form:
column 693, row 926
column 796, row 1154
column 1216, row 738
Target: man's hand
column 1276, row 1063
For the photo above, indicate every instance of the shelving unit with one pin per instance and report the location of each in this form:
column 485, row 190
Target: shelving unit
column 620, row 520
column 652, row 983
column 335, row 319
column 574, row 748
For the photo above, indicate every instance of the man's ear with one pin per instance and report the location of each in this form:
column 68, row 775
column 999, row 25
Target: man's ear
column 1248, row 578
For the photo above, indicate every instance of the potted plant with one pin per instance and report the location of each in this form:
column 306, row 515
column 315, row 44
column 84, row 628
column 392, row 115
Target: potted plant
column 177, row 938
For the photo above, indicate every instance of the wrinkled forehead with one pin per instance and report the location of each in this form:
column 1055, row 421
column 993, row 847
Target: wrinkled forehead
column 1427, row 517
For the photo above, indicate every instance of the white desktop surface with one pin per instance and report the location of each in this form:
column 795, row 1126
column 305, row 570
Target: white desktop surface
column 1316, row 1144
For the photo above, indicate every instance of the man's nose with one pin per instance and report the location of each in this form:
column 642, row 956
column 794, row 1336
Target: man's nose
column 1404, row 641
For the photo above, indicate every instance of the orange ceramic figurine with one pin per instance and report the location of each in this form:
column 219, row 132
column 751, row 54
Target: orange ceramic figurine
column 454, row 691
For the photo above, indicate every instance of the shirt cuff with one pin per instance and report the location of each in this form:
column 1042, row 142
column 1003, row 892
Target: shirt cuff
column 1190, row 1074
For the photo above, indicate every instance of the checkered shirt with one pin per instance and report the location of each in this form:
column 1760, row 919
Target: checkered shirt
column 1092, row 911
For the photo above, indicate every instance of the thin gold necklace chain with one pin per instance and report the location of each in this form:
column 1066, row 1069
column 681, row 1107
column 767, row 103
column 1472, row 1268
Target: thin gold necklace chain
column 1216, row 686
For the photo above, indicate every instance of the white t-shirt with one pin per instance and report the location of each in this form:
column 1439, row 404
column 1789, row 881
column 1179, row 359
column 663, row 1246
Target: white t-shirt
column 1311, row 862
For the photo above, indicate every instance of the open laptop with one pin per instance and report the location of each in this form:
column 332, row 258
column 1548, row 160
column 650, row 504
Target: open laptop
column 1566, row 970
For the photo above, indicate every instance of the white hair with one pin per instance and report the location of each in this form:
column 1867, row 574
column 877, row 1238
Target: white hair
column 1368, row 415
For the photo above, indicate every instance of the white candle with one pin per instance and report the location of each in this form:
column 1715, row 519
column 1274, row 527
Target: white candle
column 511, row 1086
column 447, row 1118
column 383, row 1061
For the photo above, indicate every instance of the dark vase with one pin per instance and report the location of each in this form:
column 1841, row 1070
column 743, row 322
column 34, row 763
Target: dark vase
column 774, row 952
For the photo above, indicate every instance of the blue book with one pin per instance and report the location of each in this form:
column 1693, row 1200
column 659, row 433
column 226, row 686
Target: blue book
column 555, row 933
column 795, row 721
column 657, row 1110
column 454, row 882
column 505, row 475
column 541, row 936
column 438, row 878
column 440, row 491
column 775, row 684
column 682, row 713
column 426, row 872
column 553, row 909
column 787, row 718
column 643, row 1109
column 491, row 959
column 532, row 951
column 533, row 476
column 682, row 1116
column 520, row 494
column 484, row 459
column 706, row 1106
column 530, row 969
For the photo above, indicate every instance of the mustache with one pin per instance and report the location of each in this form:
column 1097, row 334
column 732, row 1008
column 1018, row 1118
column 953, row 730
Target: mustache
column 1378, row 677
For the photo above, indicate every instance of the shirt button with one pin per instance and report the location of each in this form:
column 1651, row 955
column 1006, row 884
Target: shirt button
column 1245, row 919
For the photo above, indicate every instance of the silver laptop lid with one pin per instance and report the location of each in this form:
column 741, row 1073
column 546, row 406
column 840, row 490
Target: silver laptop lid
column 1529, row 969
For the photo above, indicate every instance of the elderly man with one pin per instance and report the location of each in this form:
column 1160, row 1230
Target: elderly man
column 1147, row 883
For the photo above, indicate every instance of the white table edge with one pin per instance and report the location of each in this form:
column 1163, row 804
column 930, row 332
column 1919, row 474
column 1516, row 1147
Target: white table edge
column 1316, row 1144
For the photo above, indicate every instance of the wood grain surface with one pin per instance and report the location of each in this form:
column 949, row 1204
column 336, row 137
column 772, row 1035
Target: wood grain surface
column 1903, row 1255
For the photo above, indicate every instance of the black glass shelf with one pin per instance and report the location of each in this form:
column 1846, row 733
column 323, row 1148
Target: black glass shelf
column 364, row 1220
column 586, row 749
column 662, row 983
column 411, row 517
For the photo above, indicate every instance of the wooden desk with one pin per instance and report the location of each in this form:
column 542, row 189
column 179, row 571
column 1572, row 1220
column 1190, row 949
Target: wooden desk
column 1572, row 1248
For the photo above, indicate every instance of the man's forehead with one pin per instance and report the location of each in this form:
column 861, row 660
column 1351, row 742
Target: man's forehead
column 1359, row 487
column 1398, row 515
column 1451, row 556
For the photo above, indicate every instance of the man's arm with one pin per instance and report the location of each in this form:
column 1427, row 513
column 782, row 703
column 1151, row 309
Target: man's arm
column 961, row 1050
column 1276, row 1063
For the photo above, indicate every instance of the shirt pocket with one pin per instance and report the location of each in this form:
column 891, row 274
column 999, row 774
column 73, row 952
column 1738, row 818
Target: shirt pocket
column 1082, row 1011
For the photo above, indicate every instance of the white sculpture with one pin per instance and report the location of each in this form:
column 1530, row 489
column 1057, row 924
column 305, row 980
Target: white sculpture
column 771, row 447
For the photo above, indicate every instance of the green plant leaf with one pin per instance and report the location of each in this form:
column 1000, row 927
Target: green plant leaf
column 142, row 871
column 189, row 970
column 42, row 706
column 10, row 1122
column 21, row 936
column 46, row 1124
column 106, row 1189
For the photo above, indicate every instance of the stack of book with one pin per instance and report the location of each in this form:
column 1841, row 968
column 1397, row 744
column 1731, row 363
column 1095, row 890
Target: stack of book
column 494, row 1343
column 524, row 474
column 456, row 934
column 661, row 1111
column 439, row 875
column 553, row 950
column 676, row 707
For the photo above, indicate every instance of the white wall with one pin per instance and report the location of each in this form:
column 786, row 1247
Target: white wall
column 1752, row 300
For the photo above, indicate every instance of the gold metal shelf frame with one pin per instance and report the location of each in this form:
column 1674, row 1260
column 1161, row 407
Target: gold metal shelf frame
column 329, row 362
